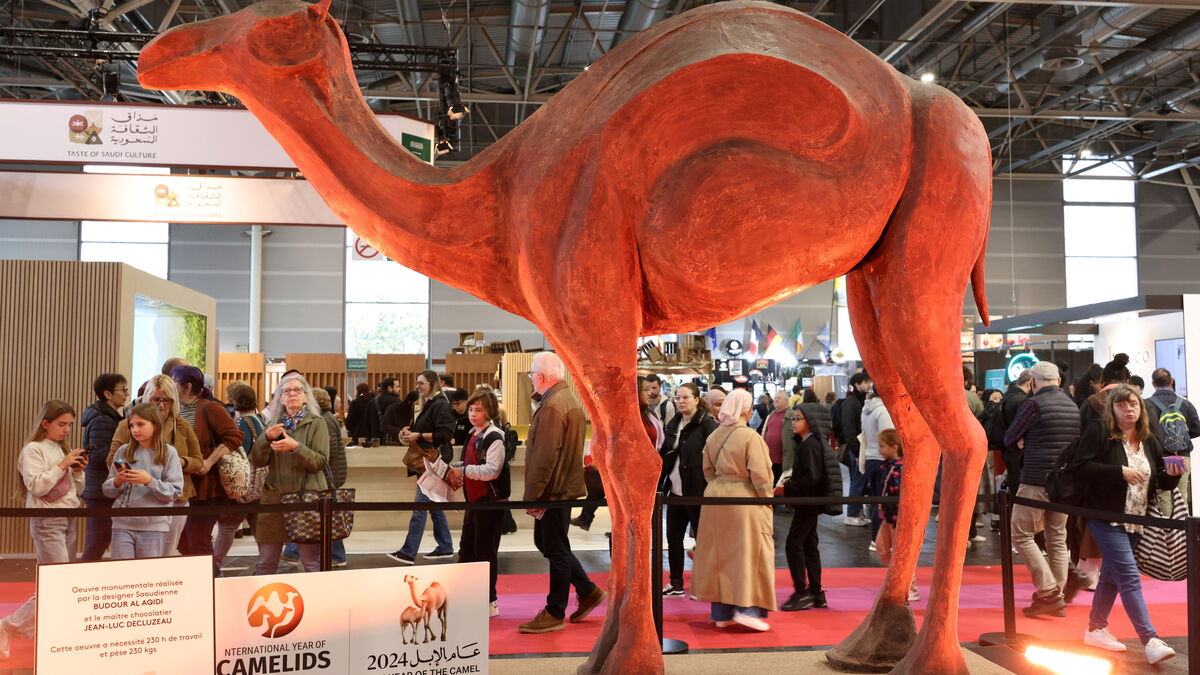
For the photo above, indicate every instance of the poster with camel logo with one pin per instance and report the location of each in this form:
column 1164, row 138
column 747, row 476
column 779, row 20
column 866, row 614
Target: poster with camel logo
column 427, row 620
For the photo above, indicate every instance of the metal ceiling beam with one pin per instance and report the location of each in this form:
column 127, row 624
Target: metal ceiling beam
column 1156, row 4
column 1108, row 115
column 929, row 22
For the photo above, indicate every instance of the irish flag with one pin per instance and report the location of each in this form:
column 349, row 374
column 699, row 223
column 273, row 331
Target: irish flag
column 798, row 338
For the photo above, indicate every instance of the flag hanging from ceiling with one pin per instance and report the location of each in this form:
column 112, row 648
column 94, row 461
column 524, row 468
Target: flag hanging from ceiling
column 756, row 338
column 711, row 334
column 823, row 335
column 773, row 339
column 798, row 338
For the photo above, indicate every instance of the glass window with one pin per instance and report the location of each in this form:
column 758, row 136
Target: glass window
column 387, row 306
column 1100, row 230
column 141, row 245
column 1091, row 280
column 1092, row 190
column 151, row 258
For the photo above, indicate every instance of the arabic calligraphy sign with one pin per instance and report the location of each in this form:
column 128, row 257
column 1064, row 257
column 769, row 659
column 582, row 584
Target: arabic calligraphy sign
column 96, row 133
column 45, row 195
column 431, row 620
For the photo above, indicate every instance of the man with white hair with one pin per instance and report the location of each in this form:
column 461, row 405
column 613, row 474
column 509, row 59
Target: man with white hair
column 1046, row 423
column 554, row 472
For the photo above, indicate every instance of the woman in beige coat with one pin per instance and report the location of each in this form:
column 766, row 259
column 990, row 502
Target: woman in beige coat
column 734, row 567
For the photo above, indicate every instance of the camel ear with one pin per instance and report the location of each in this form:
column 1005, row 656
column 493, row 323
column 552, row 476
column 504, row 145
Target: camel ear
column 320, row 10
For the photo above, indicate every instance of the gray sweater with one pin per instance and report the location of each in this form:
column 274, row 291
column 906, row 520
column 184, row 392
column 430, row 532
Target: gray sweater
column 166, row 485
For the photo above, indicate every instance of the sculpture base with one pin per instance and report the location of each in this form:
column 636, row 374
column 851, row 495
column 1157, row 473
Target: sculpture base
column 1018, row 641
column 672, row 646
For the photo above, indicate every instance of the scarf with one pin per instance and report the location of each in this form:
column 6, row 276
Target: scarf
column 290, row 422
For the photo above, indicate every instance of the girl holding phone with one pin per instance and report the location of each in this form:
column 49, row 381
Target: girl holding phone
column 145, row 472
column 52, row 474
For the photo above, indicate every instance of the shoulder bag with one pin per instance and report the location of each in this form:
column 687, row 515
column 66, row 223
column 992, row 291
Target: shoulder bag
column 242, row 481
column 304, row 527
column 1162, row 552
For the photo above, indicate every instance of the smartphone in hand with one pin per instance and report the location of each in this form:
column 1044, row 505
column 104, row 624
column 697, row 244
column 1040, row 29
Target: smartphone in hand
column 1175, row 461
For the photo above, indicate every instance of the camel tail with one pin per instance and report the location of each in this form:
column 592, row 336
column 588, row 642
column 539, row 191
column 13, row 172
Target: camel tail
column 979, row 287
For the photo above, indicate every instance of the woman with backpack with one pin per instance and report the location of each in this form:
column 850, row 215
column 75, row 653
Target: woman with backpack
column 1122, row 463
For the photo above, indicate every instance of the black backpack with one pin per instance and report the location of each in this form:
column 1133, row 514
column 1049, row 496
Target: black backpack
column 511, row 441
column 835, row 417
column 1063, row 485
column 994, row 425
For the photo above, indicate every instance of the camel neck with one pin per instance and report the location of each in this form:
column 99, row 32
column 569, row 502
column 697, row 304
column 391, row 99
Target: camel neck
column 415, row 214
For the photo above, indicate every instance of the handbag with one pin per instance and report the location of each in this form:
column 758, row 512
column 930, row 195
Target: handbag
column 1162, row 552
column 242, row 481
column 304, row 527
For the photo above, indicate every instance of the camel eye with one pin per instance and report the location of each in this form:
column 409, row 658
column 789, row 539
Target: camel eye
column 285, row 41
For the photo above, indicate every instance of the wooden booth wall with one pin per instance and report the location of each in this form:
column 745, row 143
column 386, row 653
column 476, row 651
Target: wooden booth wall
column 404, row 367
column 517, row 387
column 58, row 330
column 321, row 370
column 242, row 367
column 471, row 370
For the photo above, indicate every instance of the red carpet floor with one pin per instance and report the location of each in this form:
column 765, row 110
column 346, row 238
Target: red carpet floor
column 850, row 592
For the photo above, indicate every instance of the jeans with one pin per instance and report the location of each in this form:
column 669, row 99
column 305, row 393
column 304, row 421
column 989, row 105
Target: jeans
column 723, row 612
column 174, row 532
column 803, row 554
column 197, row 536
column 858, row 483
column 872, row 485
column 99, row 531
column 268, row 558
column 1118, row 574
column 416, row 529
column 227, row 527
column 481, row 542
column 54, row 542
column 550, row 537
column 291, row 550
column 1026, row 521
column 131, row 544
column 678, row 519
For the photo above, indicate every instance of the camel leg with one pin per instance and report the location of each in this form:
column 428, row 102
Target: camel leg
column 629, row 467
column 888, row 630
column 916, row 279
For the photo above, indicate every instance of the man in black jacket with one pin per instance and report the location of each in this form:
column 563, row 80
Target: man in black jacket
column 1045, row 425
column 851, row 419
column 1010, row 403
column 389, row 390
column 100, row 421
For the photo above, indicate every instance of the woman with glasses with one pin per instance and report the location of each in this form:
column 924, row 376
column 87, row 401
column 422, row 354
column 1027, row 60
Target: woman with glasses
column 429, row 436
column 176, row 431
column 683, row 474
column 295, row 447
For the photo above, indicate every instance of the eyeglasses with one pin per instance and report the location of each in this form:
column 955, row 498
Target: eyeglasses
column 120, row 389
column 162, row 401
column 292, row 391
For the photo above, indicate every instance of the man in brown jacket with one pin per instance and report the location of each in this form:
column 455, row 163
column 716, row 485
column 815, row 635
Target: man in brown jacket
column 554, row 472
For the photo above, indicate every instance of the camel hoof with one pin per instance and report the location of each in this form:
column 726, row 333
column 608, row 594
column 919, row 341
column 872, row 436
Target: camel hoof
column 879, row 642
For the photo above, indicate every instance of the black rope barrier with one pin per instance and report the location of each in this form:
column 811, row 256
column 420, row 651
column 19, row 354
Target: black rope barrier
column 1095, row 514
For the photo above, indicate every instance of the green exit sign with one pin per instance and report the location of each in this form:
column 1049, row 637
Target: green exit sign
column 421, row 147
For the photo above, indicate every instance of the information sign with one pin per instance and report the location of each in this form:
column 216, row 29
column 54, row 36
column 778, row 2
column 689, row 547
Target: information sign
column 121, row 617
column 431, row 620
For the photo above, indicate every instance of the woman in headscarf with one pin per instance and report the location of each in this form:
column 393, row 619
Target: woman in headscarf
column 295, row 446
column 735, row 554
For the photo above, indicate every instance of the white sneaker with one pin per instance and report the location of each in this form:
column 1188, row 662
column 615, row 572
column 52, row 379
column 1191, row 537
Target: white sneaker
column 755, row 623
column 978, row 539
column 1103, row 639
column 494, row 609
column 856, row 521
column 914, row 595
column 1157, row 651
column 871, row 546
column 722, row 624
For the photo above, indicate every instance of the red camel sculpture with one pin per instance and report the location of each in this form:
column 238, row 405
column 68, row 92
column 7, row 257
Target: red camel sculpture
column 602, row 216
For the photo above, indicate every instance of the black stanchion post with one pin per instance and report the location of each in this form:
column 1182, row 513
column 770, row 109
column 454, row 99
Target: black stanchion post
column 1193, row 593
column 1010, row 636
column 669, row 645
column 326, row 533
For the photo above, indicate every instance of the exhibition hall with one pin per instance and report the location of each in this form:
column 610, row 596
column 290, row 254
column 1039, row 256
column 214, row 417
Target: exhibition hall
column 416, row 337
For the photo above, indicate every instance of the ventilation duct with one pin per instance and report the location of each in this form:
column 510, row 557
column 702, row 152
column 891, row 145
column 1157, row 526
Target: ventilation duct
column 527, row 29
column 639, row 15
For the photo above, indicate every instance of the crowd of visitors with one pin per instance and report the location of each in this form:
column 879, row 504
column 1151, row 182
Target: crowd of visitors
column 169, row 447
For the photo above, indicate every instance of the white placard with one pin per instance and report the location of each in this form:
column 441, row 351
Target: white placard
column 36, row 195
column 126, row 616
column 99, row 133
column 428, row 620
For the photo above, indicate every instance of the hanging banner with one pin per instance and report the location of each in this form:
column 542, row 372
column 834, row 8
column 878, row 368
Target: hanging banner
column 35, row 195
column 86, row 132
column 121, row 617
column 429, row 620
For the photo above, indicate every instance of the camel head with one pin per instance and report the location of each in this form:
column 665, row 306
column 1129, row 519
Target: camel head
column 261, row 43
column 408, row 578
